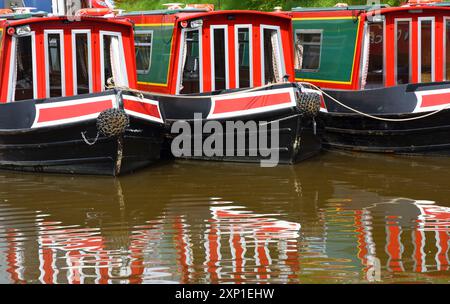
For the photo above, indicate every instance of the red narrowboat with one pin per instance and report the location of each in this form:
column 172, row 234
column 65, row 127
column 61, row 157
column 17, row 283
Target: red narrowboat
column 226, row 66
column 58, row 112
column 384, row 71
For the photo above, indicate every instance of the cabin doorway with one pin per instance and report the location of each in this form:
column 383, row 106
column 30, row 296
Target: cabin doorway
column 23, row 80
column 191, row 66
column 114, row 72
column 375, row 64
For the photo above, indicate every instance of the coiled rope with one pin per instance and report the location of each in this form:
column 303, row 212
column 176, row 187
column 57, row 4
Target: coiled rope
column 372, row 116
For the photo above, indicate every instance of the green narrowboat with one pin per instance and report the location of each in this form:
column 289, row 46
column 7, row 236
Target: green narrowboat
column 384, row 72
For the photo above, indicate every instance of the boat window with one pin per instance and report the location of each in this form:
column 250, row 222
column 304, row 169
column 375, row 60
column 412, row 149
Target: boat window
column 190, row 63
column 82, row 64
column 447, row 50
column 113, row 64
column 271, row 52
column 24, row 75
column 244, row 57
column 307, row 50
column 375, row 71
column 143, row 41
column 403, row 49
column 426, row 51
column 54, row 65
column 219, row 59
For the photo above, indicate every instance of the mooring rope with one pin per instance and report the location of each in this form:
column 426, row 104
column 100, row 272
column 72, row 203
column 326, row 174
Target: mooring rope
column 83, row 135
column 141, row 93
column 372, row 116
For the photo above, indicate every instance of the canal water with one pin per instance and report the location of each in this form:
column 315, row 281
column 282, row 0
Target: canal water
column 338, row 218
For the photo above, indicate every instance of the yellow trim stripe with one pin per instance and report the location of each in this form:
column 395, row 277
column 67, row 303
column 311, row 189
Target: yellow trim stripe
column 324, row 81
column 153, row 84
column 354, row 52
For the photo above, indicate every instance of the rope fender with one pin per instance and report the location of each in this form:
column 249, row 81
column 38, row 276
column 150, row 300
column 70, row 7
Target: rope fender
column 309, row 103
column 112, row 123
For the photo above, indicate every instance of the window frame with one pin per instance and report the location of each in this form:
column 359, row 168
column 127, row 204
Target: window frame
column 433, row 48
column 123, row 66
column 396, row 21
column 280, row 53
column 75, row 72
column 227, row 60
column 311, row 31
column 249, row 27
column 47, row 61
column 444, row 59
column 143, row 32
column 180, row 61
column 383, row 23
column 12, row 80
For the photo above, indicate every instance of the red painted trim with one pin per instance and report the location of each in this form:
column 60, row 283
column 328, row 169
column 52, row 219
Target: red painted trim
column 435, row 99
column 390, row 52
column 249, row 103
column 142, row 108
column 73, row 111
column 415, row 51
column 439, row 49
column 40, row 63
column 69, row 61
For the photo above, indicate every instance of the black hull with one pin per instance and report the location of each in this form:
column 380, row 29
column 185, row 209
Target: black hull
column 62, row 149
column 297, row 142
column 298, row 139
column 43, row 136
column 418, row 135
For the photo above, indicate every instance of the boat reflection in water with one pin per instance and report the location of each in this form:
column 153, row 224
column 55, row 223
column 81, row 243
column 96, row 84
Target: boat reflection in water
column 380, row 219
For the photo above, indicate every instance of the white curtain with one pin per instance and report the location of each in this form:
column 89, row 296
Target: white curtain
column 275, row 59
column 14, row 75
column 298, row 55
column 117, row 65
column 184, row 58
column 366, row 57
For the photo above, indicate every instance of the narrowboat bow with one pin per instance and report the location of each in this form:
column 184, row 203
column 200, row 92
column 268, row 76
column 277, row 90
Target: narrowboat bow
column 384, row 72
column 56, row 111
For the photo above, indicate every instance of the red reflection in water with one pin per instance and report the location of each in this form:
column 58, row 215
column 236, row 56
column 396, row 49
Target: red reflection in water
column 254, row 246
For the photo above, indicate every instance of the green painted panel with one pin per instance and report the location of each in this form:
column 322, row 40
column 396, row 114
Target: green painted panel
column 161, row 54
column 338, row 48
